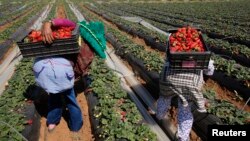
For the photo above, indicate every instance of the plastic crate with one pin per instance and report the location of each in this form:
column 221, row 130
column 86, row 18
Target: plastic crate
column 58, row 47
column 188, row 60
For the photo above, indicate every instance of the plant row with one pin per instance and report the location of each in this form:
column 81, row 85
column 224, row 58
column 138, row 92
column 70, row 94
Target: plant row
column 9, row 17
column 206, row 14
column 52, row 12
column 69, row 12
column 138, row 52
column 239, row 52
column 117, row 116
column 13, row 102
column 7, row 8
column 226, row 12
column 243, row 116
column 18, row 30
column 230, row 67
column 16, row 115
column 225, row 31
column 5, row 34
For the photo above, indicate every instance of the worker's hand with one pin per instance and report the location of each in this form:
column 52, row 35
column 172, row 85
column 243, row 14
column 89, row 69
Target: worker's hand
column 47, row 33
column 207, row 104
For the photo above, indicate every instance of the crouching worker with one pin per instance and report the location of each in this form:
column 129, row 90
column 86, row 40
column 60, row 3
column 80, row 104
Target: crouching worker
column 56, row 76
column 186, row 85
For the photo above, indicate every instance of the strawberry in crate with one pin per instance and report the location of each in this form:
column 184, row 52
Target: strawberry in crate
column 186, row 39
column 34, row 36
column 61, row 33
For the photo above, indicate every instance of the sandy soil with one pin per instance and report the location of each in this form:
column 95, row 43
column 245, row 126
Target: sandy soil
column 62, row 132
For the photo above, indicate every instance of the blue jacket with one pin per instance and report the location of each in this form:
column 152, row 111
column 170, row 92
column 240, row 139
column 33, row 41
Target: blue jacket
column 54, row 74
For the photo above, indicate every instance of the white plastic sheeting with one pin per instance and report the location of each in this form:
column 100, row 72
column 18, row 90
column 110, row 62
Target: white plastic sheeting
column 127, row 76
column 7, row 67
column 144, row 23
column 38, row 23
column 76, row 11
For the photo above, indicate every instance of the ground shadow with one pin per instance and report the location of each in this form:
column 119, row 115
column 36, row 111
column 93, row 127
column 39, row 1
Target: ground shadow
column 40, row 98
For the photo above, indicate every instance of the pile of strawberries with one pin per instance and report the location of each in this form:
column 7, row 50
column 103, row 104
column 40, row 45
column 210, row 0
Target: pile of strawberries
column 36, row 35
column 186, row 39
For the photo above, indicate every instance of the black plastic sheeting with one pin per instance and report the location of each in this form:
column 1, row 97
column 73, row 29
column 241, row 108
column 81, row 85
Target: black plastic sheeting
column 232, row 84
column 152, row 77
column 92, row 102
column 201, row 120
column 243, row 60
column 245, row 92
column 4, row 48
column 32, row 132
column 230, row 39
column 19, row 34
column 148, row 39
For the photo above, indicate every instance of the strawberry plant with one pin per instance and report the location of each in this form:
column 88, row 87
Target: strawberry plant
column 226, row 111
column 152, row 60
column 233, row 47
column 12, row 101
column 136, row 51
column 231, row 68
column 5, row 34
column 241, row 116
column 117, row 114
column 70, row 14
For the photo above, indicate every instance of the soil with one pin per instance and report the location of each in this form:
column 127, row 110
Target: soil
column 3, row 27
column 222, row 93
column 7, row 53
column 60, row 12
column 62, row 132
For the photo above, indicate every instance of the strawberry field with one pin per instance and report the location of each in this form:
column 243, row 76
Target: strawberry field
column 119, row 103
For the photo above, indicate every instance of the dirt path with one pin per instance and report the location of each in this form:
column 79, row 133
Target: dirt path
column 62, row 132
column 221, row 92
column 7, row 25
column 60, row 12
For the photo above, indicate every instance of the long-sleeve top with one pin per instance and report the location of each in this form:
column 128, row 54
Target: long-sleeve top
column 186, row 84
column 55, row 74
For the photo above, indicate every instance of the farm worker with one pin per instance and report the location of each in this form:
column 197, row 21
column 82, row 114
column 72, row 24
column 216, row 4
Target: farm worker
column 56, row 76
column 186, row 85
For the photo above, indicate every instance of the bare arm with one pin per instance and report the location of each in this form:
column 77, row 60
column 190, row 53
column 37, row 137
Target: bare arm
column 47, row 31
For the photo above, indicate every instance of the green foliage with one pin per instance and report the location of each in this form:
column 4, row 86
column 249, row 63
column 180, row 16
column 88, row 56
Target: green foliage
column 226, row 111
column 112, row 102
column 12, row 101
column 231, row 68
column 152, row 59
